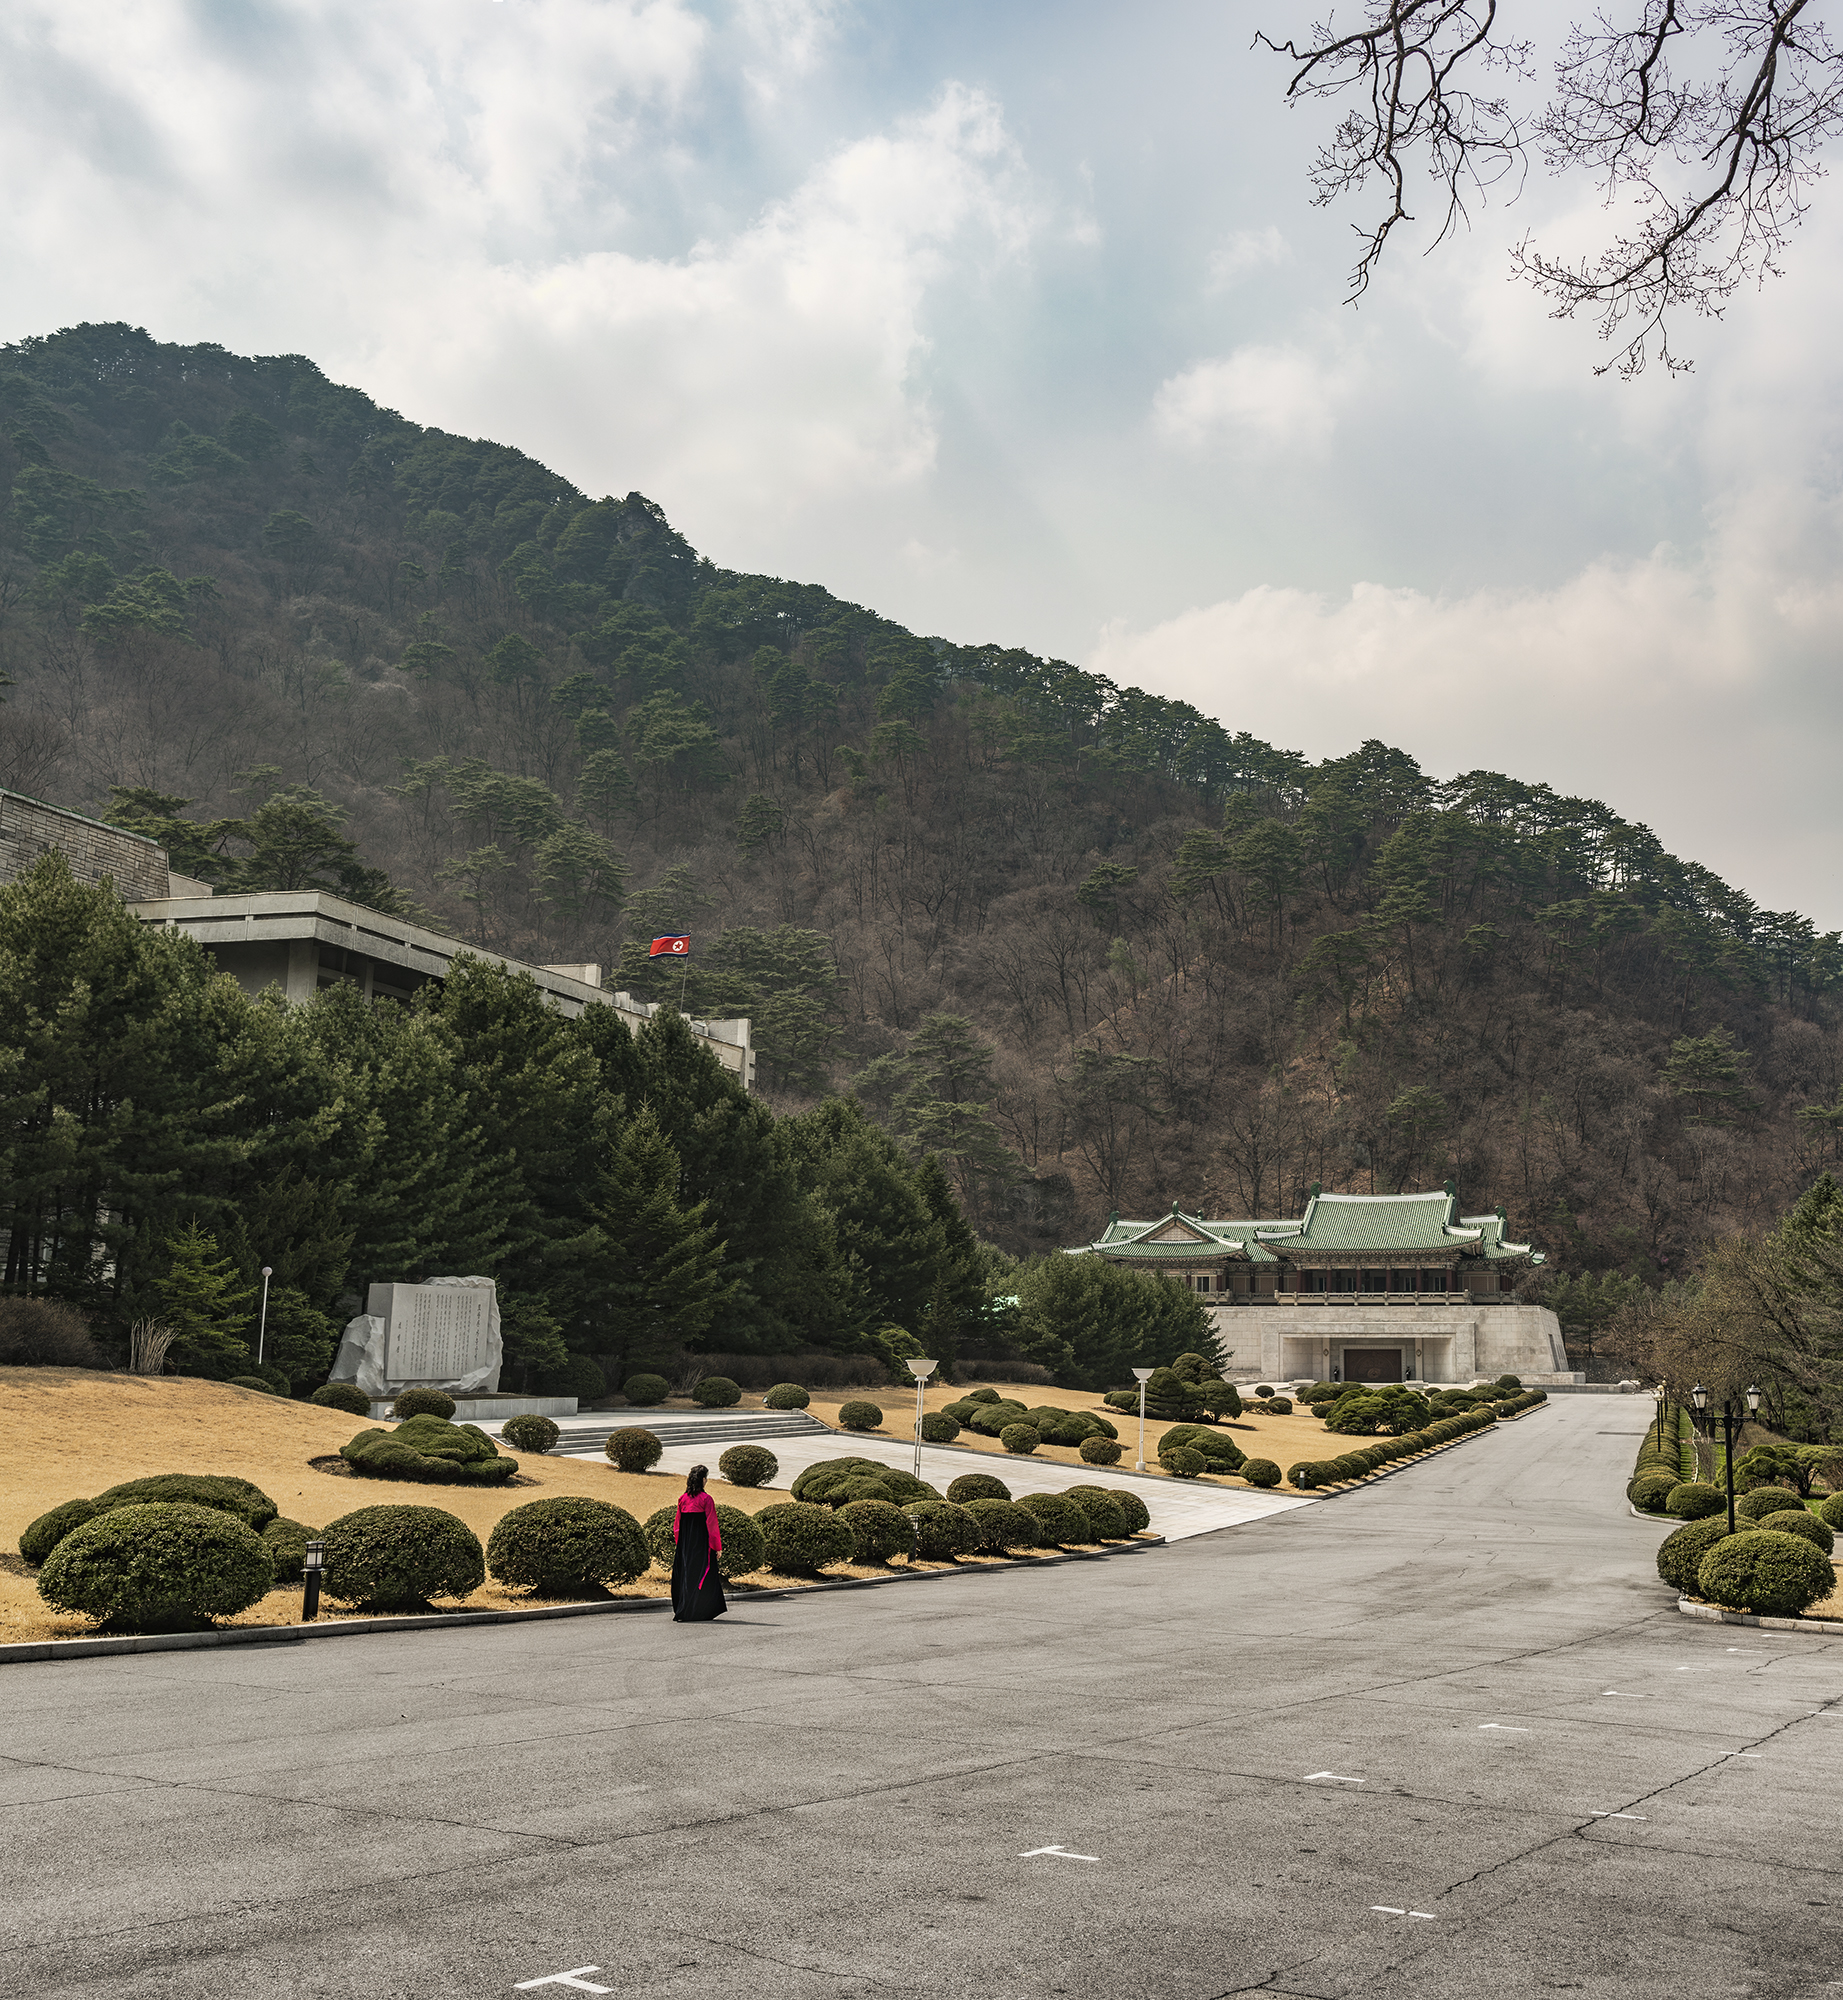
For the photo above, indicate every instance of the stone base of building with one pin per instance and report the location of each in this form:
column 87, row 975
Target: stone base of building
column 492, row 1409
column 1451, row 1342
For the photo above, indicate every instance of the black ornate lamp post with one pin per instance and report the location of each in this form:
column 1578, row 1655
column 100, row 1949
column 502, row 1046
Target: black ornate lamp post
column 1729, row 1416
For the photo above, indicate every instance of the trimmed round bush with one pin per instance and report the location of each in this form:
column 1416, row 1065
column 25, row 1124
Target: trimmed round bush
column 943, row 1531
column 1260, row 1472
column 1022, row 1439
column 430, row 1451
column 255, row 1382
column 1263, row 1388
column 557, row 1548
column 1280, row 1406
column 1695, row 1500
column 633, row 1450
column 716, row 1392
column 347, row 1396
column 1831, row 1512
column 1306, row 1475
column 423, row 1403
column 977, row 1486
column 879, row 1530
column 1099, row 1451
column 1510, row 1383
column 1182, row 1462
column 1004, row 1524
column 1758, row 1570
column 1220, row 1454
column 161, row 1566
column 1132, row 1508
column 287, row 1544
column 250, row 1504
column 937, row 1427
column 748, row 1465
column 743, row 1552
column 983, row 1396
column 1061, row 1519
column 1106, row 1519
column 1764, row 1500
column 645, row 1391
column 1679, row 1555
column 787, row 1396
column 530, row 1433
column 801, row 1538
column 38, row 1539
column 397, row 1558
column 1650, row 1490
column 1798, row 1521
column 859, row 1416
column 832, row 1482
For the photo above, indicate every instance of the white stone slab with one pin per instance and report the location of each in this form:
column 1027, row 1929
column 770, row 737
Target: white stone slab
column 442, row 1334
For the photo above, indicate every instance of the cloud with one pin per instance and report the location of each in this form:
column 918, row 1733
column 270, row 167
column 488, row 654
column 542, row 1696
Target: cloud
column 1264, row 399
column 1244, row 250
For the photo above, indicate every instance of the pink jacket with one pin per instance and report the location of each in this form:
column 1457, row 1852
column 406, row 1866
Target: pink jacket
column 700, row 1503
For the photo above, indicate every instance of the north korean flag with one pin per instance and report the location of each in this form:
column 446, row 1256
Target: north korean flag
column 670, row 947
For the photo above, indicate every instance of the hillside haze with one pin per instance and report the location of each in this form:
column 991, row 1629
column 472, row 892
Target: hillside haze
column 1092, row 949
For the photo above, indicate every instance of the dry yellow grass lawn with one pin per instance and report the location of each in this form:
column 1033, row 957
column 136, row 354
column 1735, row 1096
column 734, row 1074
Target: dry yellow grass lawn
column 72, row 1432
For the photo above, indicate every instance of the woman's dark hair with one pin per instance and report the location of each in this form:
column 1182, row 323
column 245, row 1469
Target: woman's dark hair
column 695, row 1478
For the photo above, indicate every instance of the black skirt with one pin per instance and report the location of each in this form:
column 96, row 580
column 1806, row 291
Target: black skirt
column 697, row 1589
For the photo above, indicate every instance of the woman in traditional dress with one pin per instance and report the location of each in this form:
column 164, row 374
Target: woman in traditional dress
column 697, row 1589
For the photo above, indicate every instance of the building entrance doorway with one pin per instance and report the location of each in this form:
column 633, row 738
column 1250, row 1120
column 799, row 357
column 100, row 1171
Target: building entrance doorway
column 1372, row 1364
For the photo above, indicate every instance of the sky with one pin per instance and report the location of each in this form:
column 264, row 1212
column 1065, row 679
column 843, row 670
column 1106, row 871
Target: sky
column 1016, row 323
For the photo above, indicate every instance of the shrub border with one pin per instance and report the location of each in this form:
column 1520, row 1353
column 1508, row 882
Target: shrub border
column 50, row 1651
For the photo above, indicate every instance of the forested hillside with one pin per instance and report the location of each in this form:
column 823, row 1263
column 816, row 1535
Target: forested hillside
column 1085, row 945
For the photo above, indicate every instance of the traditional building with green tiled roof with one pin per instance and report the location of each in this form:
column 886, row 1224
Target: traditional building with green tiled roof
column 1367, row 1287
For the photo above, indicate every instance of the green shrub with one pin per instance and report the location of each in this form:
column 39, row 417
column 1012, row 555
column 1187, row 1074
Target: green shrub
column 159, row 1566
column 1798, row 1521
column 835, row 1482
column 1219, row 1398
column 716, row 1392
column 287, row 1543
column 1260, row 1472
column 430, row 1452
column 530, row 1433
column 560, row 1547
column 347, row 1396
column 748, row 1465
column 1061, row 1519
column 977, row 1486
column 1055, row 1425
column 1650, row 1490
column 397, row 1558
column 1003, row 1524
column 787, row 1396
column 1756, row 1504
column 1100, row 1451
column 1132, row 1508
column 1181, row 1462
column 1106, row 1517
column 255, row 1382
column 943, row 1531
column 982, row 1396
column 801, row 1539
column 1774, row 1575
column 585, row 1381
column 1306, row 1475
column 743, row 1550
column 1831, row 1512
column 859, row 1416
column 989, row 1419
column 250, row 1504
column 1679, row 1555
column 423, row 1403
column 633, row 1450
column 1219, row 1453
column 937, row 1427
column 646, row 1391
column 879, row 1531
column 1022, row 1439
column 1510, row 1382
column 1695, row 1500
column 43, row 1535
column 1280, row 1406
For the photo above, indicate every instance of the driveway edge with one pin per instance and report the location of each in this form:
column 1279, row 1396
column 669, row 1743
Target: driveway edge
column 1713, row 1614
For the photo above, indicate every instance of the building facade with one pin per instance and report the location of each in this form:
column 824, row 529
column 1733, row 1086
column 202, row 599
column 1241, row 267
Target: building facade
column 1374, row 1288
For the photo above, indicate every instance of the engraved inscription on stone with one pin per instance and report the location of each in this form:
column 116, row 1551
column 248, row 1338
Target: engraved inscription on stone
column 437, row 1332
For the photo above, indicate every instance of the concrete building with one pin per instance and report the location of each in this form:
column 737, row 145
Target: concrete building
column 302, row 940
column 1368, row 1288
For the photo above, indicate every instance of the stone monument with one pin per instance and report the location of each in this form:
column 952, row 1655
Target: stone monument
column 441, row 1334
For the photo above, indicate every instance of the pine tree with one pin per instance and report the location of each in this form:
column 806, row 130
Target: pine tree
column 206, row 1301
column 956, row 1298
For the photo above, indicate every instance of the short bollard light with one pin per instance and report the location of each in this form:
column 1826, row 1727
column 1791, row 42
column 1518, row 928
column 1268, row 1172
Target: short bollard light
column 312, row 1563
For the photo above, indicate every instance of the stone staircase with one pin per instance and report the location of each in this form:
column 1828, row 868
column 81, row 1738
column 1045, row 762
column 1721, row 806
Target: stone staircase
column 587, row 1434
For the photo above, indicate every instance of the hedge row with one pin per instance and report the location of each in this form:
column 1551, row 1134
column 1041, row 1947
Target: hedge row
column 1315, row 1472
column 1777, row 1569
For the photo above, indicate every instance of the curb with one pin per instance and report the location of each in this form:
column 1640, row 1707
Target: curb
column 33, row 1652
column 1712, row 1614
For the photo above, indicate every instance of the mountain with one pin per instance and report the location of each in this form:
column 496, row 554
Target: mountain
column 1086, row 945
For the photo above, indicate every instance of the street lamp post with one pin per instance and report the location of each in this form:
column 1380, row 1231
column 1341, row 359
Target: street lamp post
column 921, row 1370
column 311, row 1565
column 262, row 1325
column 1143, row 1376
column 1729, row 1415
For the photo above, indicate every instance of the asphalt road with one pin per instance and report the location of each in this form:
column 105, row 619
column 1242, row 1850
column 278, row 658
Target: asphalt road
column 838, row 1797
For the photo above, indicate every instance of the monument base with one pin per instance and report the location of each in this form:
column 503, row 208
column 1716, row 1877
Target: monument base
column 492, row 1409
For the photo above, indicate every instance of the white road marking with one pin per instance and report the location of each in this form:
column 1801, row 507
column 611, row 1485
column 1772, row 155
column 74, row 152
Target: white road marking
column 1388, row 1910
column 1618, row 1815
column 1623, row 1696
column 1426, row 1915
column 1061, row 1852
column 571, row 1978
column 1509, row 1728
column 1744, row 1753
column 1312, row 1778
